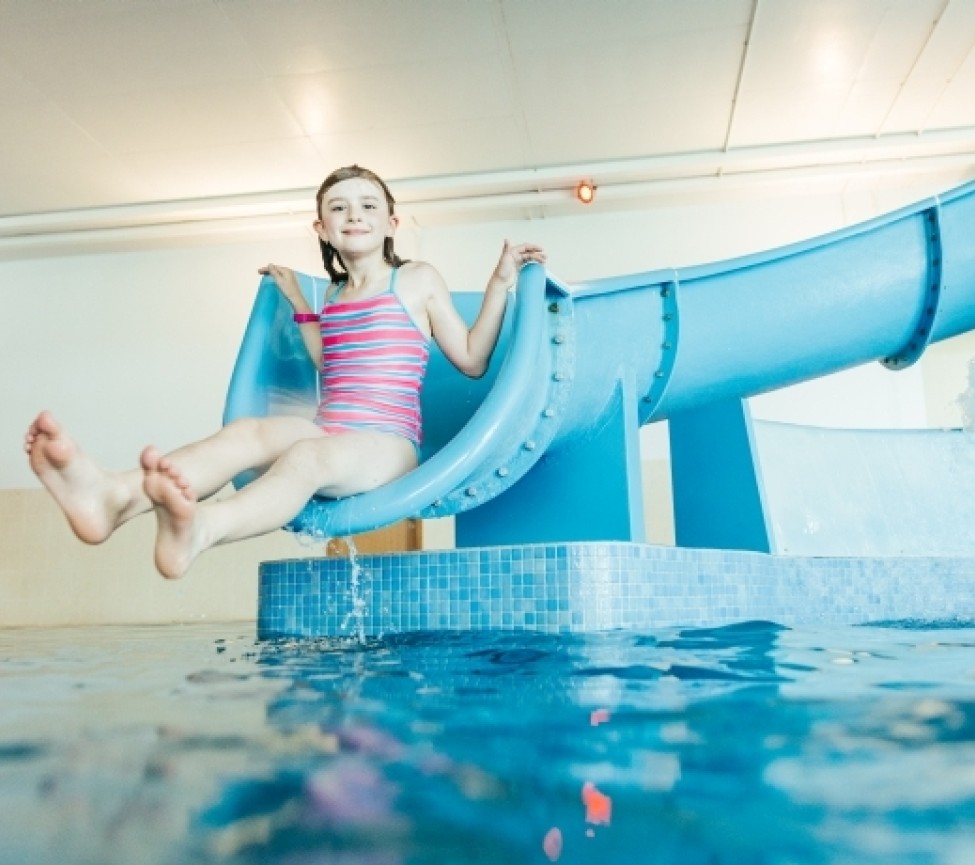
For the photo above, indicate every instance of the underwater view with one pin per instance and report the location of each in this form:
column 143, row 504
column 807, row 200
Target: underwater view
column 741, row 745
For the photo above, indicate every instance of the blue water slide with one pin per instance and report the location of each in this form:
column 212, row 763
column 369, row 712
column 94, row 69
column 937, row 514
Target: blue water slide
column 545, row 447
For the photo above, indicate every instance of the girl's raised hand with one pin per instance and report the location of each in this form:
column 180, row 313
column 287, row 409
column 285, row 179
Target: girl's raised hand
column 286, row 281
column 513, row 258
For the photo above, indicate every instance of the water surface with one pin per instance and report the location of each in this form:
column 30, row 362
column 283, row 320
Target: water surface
column 753, row 743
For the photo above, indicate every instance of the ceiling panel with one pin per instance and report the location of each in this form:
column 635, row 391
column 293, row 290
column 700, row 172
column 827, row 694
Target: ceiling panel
column 949, row 41
column 381, row 98
column 303, row 36
column 630, row 71
column 660, row 125
column 903, row 40
column 797, row 44
column 179, row 117
column 801, row 67
column 545, row 24
column 51, row 164
column 15, row 89
column 138, row 47
column 866, row 107
column 636, row 97
column 956, row 107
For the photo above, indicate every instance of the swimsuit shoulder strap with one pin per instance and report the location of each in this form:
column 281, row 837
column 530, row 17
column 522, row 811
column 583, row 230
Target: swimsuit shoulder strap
column 335, row 288
column 333, row 291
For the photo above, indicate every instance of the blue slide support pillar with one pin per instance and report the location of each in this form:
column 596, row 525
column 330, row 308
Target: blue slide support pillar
column 590, row 490
column 717, row 490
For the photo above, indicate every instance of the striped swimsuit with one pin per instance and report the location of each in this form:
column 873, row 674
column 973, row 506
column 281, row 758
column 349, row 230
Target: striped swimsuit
column 374, row 359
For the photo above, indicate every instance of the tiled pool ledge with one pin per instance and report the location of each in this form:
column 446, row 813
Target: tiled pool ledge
column 584, row 587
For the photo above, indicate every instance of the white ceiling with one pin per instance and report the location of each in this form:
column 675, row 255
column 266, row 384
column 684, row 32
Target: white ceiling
column 121, row 105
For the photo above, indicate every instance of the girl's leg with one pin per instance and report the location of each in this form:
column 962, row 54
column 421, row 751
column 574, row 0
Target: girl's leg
column 96, row 501
column 338, row 465
column 248, row 443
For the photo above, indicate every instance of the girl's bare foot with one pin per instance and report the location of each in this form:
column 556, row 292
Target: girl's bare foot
column 179, row 540
column 94, row 501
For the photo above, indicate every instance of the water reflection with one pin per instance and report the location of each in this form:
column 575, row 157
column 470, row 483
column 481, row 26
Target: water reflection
column 425, row 747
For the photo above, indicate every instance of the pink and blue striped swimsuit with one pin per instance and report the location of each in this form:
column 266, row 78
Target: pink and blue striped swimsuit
column 374, row 359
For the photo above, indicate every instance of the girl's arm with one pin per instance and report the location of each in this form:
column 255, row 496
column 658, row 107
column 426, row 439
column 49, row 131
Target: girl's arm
column 470, row 350
column 311, row 333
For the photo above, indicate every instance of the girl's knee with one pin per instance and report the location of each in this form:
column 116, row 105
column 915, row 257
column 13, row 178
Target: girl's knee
column 310, row 458
column 255, row 432
column 272, row 435
column 242, row 427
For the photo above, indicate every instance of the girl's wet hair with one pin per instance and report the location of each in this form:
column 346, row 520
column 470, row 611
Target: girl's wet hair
column 333, row 261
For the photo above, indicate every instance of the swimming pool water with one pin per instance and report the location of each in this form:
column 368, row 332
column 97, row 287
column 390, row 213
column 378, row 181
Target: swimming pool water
column 751, row 743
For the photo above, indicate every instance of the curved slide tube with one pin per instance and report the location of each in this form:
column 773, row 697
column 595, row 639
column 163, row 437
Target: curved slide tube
column 545, row 448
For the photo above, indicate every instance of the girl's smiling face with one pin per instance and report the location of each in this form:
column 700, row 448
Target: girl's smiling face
column 355, row 217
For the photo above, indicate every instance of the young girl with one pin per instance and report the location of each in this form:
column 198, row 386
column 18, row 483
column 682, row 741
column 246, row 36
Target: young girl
column 370, row 343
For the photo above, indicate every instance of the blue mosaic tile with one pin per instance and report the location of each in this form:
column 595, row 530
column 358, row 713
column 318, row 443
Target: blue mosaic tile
column 584, row 587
